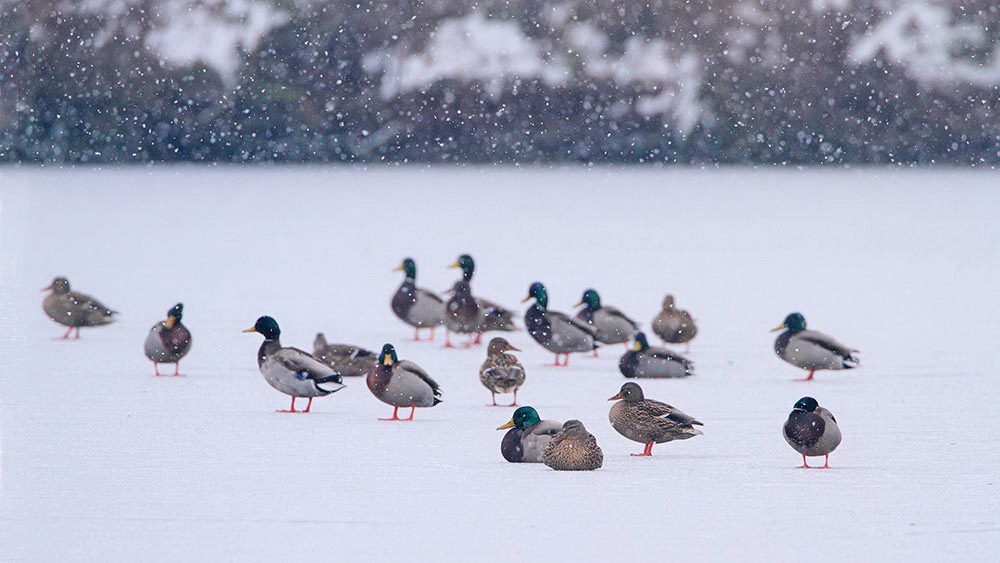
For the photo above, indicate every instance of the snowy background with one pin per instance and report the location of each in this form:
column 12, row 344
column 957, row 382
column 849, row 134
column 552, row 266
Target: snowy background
column 742, row 81
column 100, row 460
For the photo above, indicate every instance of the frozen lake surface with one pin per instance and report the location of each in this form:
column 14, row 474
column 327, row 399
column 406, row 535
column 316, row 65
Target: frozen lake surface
column 101, row 460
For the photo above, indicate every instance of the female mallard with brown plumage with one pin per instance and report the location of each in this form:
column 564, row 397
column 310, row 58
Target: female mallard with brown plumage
column 293, row 372
column 74, row 309
column 811, row 350
column 168, row 341
column 673, row 325
column 346, row 359
column 527, row 437
column 647, row 421
column 415, row 306
column 402, row 384
column 645, row 361
column 573, row 449
column 501, row 372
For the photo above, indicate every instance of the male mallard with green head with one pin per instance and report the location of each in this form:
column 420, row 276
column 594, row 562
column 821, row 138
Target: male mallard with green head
column 647, row 421
column 168, row 341
column 402, row 384
column 645, row 361
column 556, row 332
column 573, row 449
column 346, row 359
column 501, row 372
column 415, row 306
column 811, row 350
column 295, row 373
column 74, row 309
column 673, row 325
column 527, row 437
column 611, row 326
column 812, row 431
column 462, row 312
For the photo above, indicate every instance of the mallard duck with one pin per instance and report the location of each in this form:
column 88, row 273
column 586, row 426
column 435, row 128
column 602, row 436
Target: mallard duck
column 812, row 431
column 673, row 325
column 647, row 421
column 496, row 318
column 462, row 312
column 345, row 359
column 573, row 449
column 811, row 350
column 644, row 360
column 402, row 384
column 290, row 370
column 414, row 306
column 168, row 341
column 556, row 332
column 501, row 372
column 528, row 436
column 611, row 326
column 73, row 309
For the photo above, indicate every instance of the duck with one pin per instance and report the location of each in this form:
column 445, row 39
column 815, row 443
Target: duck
column 501, row 372
column 645, row 361
column 295, row 373
column 74, row 309
column 811, row 350
column 812, row 431
column 573, row 449
column 496, row 318
column 527, row 437
column 345, row 359
column 417, row 307
column 168, row 341
column 556, row 332
column 647, row 421
column 402, row 384
column 611, row 326
column 462, row 312
column 673, row 325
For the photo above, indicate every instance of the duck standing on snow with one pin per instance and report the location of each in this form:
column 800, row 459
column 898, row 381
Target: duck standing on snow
column 556, row 332
column 345, row 359
column 811, row 350
column 290, row 370
column 414, row 306
column 168, row 341
column 73, row 309
column 573, row 449
column 647, row 421
column 673, row 325
column 648, row 361
column 528, row 436
column 501, row 372
column 496, row 318
column 462, row 312
column 402, row 384
column 611, row 326
column 812, row 431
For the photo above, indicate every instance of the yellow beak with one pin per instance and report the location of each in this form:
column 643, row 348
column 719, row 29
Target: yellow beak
column 777, row 328
column 506, row 426
column 526, row 299
column 578, row 304
column 636, row 346
column 251, row 329
column 455, row 265
column 397, row 269
column 170, row 322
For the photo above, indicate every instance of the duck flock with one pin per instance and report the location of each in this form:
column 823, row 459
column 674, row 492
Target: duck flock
column 810, row 429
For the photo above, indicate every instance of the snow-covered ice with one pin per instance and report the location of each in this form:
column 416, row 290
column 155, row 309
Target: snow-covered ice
column 101, row 460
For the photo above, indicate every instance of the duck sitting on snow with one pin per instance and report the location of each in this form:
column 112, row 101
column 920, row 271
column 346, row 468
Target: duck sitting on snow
column 611, row 326
column 527, row 437
column 168, row 341
column 645, row 361
column 812, row 431
column 673, row 325
column 573, row 449
column 74, row 309
column 415, row 306
column 811, row 350
column 647, row 421
column 556, row 332
column 402, row 384
column 346, row 359
column 290, row 370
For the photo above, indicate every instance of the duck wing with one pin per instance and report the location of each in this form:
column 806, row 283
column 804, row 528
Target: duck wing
column 84, row 301
column 307, row 366
column 416, row 370
column 666, row 412
column 617, row 314
column 566, row 322
column 664, row 354
column 826, row 342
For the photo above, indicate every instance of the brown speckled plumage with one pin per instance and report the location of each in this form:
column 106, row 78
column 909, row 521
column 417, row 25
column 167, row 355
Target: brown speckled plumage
column 573, row 449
